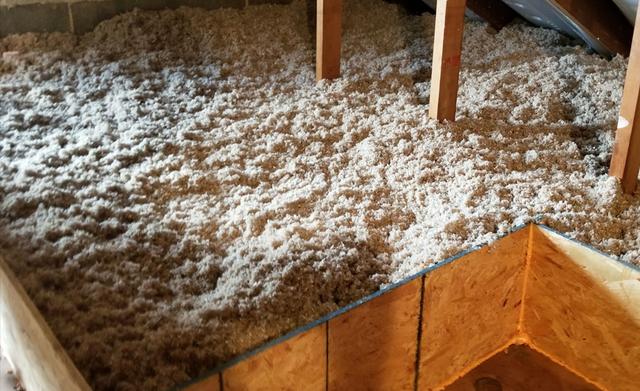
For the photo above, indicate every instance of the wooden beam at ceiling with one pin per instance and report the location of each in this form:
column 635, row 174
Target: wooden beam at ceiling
column 495, row 12
column 447, row 47
column 328, row 38
column 602, row 19
column 625, row 162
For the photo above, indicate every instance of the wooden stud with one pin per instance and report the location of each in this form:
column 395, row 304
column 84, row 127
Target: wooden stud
column 328, row 38
column 447, row 47
column 374, row 345
column 625, row 162
column 601, row 19
column 582, row 309
column 297, row 364
column 519, row 368
column 471, row 310
column 495, row 12
column 40, row 361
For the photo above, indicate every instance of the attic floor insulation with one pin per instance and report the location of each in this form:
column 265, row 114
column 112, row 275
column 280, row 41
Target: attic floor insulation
column 176, row 188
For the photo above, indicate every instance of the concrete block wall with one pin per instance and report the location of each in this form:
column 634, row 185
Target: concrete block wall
column 81, row 16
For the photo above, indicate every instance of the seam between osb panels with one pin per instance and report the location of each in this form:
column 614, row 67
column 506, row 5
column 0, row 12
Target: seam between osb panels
column 416, row 374
column 525, row 282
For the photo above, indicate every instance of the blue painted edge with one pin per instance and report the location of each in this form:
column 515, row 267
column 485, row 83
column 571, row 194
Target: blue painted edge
column 297, row 331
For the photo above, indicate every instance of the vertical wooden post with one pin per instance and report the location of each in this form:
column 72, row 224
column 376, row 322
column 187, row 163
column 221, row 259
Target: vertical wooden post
column 328, row 37
column 446, row 59
column 625, row 162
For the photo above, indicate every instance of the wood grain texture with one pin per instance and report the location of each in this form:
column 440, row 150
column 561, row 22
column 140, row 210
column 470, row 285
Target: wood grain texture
column 328, row 38
column 211, row 383
column 601, row 19
column 622, row 281
column 373, row 346
column 582, row 309
column 494, row 12
column 40, row 361
column 471, row 309
column 519, row 368
column 447, row 47
column 297, row 364
column 625, row 162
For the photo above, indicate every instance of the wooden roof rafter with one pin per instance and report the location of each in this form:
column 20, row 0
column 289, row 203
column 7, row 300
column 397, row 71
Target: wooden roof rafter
column 602, row 20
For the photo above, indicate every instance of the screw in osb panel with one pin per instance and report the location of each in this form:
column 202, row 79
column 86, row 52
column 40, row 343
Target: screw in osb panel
column 487, row 384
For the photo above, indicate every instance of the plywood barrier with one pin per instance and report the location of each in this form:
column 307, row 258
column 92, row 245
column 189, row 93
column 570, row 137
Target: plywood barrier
column 532, row 311
column 582, row 308
column 374, row 346
column 298, row 364
column 471, row 309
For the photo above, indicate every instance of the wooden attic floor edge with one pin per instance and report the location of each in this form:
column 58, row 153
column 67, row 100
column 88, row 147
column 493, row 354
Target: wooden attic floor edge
column 559, row 362
column 26, row 339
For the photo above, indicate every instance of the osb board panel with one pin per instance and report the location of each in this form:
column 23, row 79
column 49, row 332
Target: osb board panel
column 297, row 364
column 471, row 309
column 581, row 308
column 620, row 280
column 40, row 361
column 373, row 346
column 519, row 368
column 212, row 383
